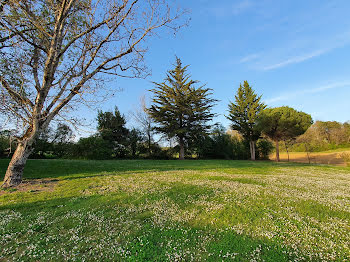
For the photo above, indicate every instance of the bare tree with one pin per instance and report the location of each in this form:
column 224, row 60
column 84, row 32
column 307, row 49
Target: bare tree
column 287, row 143
column 145, row 121
column 306, row 139
column 56, row 54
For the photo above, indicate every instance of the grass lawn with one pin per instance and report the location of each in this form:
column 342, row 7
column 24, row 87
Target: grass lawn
column 142, row 210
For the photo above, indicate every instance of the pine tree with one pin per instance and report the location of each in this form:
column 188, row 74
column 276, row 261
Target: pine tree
column 283, row 123
column 111, row 128
column 244, row 114
column 179, row 109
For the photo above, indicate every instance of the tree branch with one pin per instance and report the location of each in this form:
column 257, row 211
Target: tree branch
column 17, row 97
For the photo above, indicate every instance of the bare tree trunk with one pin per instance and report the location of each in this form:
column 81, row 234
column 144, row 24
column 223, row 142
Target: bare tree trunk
column 285, row 144
column 182, row 148
column 14, row 173
column 252, row 150
column 277, row 151
column 149, row 144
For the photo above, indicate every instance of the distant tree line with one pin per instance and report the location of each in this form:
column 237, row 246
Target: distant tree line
column 112, row 140
column 51, row 143
column 181, row 112
column 323, row 135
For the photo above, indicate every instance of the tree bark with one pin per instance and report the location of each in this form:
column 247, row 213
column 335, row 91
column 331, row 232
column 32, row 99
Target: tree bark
column 182, row 148
column 14, row 173
column 277, row 151
column 149, row 144
column 252, row 150
column 285, row 144
column 308, row 153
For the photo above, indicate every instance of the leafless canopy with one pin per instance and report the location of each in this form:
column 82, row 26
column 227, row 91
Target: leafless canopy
column 56, row 53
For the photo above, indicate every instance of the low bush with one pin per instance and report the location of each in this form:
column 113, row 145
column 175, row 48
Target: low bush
column 346, row 157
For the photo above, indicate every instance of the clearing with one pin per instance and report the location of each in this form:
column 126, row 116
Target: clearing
column 203, row 210
column 330, row 157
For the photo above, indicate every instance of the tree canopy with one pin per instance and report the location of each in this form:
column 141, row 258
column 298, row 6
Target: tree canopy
column 111, row 126
column 180, row 109
column 282, row 123
column 56, row 55
column 244, row 113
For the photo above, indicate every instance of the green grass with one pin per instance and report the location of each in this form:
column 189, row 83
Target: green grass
column 145, row 210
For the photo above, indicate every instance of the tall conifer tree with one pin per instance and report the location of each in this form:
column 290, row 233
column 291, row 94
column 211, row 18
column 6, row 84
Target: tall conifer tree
column 179, row 109
column 244, row 113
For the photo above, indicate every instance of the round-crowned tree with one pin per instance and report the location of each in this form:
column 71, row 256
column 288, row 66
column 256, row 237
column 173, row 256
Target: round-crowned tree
column 283, row 123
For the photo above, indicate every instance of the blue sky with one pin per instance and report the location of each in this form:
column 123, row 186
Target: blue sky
column 293, row 52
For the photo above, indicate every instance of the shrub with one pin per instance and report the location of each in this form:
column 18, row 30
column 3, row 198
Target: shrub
column 346, row 157
column 264, row 148
column 4, row 144
column 5, row 151
column 93, row 147
column 161, row 153
column 220, row 145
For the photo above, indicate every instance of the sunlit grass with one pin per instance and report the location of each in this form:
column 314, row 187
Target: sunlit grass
column 176, row 211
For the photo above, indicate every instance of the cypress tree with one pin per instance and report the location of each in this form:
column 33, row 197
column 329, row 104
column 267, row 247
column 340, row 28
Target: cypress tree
column 244, row 113
column 180, row 109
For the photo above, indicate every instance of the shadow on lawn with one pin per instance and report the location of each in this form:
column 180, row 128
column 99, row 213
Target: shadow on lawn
column 72, row 169
column 222, row 241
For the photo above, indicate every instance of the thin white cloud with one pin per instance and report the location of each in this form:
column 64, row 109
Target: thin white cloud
column 297, row 59
column 229, row 9
column 289, row 96
column 249, row 58
column 300, row 50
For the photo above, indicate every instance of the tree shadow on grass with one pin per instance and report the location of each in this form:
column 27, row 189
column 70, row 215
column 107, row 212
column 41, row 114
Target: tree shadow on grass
column 159, row 242
column 72, row 169
column 222, row 243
